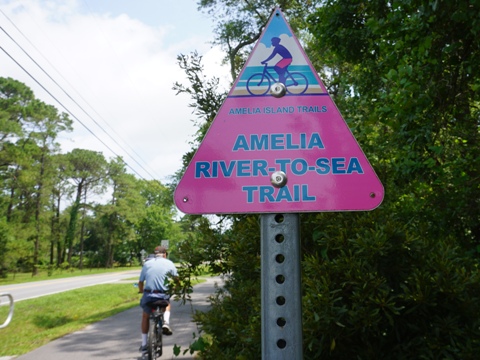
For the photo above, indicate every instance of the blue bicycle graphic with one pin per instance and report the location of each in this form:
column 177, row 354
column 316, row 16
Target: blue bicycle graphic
column 259, row 83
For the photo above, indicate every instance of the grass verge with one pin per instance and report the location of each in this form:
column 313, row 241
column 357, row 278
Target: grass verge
column 18, row 278
column 38, row 321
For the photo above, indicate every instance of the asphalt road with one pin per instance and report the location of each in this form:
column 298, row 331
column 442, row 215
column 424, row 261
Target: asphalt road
column 118, row 337
column 36, row 289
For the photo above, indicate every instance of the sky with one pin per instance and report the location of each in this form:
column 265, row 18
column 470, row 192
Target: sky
column 113, row 65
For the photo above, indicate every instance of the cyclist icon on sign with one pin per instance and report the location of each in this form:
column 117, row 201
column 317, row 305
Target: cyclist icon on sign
column 282, row 65
column 259, row 84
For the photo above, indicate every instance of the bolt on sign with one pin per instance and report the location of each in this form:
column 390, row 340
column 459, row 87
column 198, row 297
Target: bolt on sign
column 278, row 142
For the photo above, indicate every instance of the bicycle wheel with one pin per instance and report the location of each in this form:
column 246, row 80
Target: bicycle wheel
column 296, row 83
column 152, row 340
column 258, row 84
column 159, row 336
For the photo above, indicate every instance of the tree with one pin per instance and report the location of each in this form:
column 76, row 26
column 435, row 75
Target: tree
column 124, row 210
column 205, row 95
column 14, row 111
column 87, row 169
column 4, row 235
column 402, row 281
column 157, row 222
column 37, row 180
column 381, row 290
column 47, row 126
column 239, row 24
column 423, row 77
column 28, row 131
column 61, row 189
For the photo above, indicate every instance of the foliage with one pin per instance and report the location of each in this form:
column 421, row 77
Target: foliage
column 38, row 321
column 239, row 24
column 87, row 169
column 205, row 95
column 401, row 281
column 421, row 76
column 374, row 289
column 4, row 235
column 232, row 326
column 49, row 215
column 28, row 129
column 157, row 222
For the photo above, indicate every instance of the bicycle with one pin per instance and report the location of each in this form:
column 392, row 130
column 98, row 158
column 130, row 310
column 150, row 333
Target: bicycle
column 259, row 83
column 154, row 336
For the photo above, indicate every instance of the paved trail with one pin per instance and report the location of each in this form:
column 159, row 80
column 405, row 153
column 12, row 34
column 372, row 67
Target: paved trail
column 118, row 337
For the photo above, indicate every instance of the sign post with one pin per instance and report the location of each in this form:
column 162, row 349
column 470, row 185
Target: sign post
column 281, row 282
column 278, row 147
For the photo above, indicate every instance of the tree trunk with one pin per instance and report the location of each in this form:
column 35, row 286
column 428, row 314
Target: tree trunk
column 12, row 195
column 60, row 255
column 82, row 230
column 72, row 226
column 38, row 203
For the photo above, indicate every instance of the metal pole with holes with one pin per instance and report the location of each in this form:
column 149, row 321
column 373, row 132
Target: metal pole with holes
column 281, row 287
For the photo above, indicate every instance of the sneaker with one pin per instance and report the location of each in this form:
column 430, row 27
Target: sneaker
column 166, row 329
column 143, row 349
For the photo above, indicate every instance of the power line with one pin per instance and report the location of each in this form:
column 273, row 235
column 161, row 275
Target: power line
column 67, row 110
column 81, row 97
column 71, row 98
column 68, row 95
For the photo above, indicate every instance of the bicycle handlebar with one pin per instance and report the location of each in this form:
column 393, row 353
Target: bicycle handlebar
column 10, row 313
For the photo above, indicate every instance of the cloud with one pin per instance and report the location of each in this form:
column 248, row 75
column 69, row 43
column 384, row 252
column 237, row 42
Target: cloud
column 118, row 69
column 261, row 52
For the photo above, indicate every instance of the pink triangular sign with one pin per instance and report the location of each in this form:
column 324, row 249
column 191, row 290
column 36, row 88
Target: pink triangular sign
column 278, row 143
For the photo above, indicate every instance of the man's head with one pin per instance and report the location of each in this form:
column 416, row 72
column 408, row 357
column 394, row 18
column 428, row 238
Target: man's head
column 275, row 41
column 161, row 251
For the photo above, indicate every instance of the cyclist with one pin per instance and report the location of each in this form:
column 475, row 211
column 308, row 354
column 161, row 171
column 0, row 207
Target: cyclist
column 281, row 66
column 152, row 283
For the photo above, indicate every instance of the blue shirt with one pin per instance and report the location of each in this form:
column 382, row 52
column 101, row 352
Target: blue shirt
column 155, row 273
